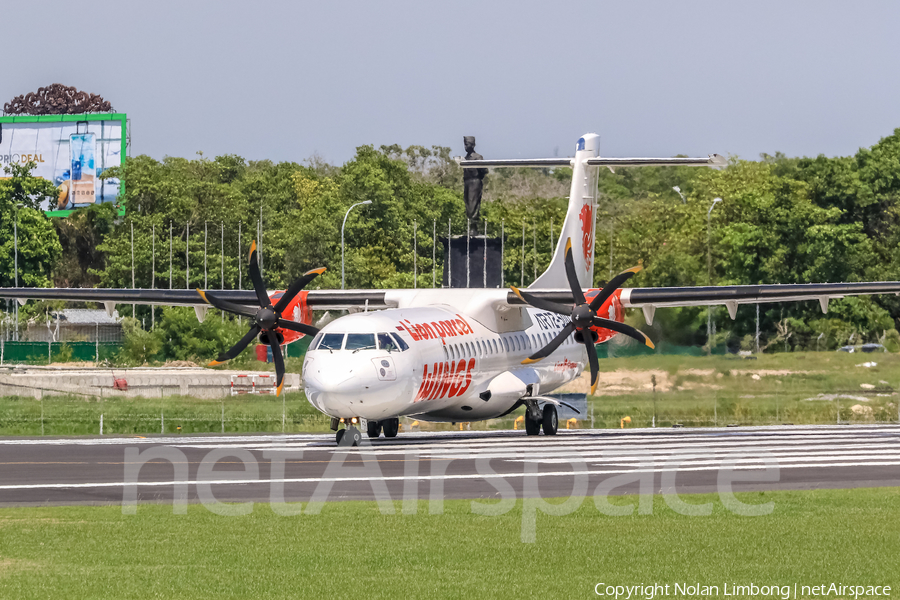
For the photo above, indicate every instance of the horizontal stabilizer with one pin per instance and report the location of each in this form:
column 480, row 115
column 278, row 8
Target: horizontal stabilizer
column 516, row 162
column 713, row 160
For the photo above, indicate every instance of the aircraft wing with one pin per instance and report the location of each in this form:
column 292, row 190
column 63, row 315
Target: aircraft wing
column 647, row 299
column 731, row 296
column 317, row 299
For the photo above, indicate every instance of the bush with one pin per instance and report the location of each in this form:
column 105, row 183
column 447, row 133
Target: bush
column 138, row 346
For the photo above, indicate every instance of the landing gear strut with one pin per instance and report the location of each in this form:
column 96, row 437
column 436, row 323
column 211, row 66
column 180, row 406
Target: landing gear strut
column 537, row 419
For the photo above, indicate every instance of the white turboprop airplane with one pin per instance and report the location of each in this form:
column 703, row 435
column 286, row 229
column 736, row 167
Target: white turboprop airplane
column 461, row 355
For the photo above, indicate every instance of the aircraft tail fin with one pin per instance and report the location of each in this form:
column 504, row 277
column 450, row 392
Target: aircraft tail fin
column 580, row 222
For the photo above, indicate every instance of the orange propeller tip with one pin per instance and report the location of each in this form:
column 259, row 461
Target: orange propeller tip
column 252, row 249
column 649, row 344
column 278, row 391
column 593, row 389
column 568, row 244
column 635, row 269
column 215, row 363
column 318, row 271
column 529, row 361
column 202, row 295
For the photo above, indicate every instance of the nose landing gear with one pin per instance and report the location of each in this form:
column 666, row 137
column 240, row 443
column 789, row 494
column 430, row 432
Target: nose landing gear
column 351, row 436
column 348, row 437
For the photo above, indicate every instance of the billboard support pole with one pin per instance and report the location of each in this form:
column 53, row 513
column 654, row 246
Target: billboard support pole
column 170, row 255
column 187, row 257
column 152, row 272
column 222, row 261
column 133, row 306
column 16, row 266
column 205, row 254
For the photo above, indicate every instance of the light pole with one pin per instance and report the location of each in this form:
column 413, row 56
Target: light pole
column 342, row 236
column 709, row 340
column 678, row 189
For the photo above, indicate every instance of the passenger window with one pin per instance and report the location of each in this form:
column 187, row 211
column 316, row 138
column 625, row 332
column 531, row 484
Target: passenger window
column 385, row 342
column 400, row 343
column 331, row 341
column 518, row 343
column 360, row 341
column 506, row 344
column 446, row 353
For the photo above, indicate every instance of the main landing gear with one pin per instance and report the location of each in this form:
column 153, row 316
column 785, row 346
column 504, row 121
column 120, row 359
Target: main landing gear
column 351, row 436
column 391, row 428
column 537, row 419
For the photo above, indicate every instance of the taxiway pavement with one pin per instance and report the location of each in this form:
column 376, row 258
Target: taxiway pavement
column 236, row 468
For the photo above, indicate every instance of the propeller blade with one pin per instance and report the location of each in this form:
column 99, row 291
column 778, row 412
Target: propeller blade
column 628, row 330
column 550, row 347
column 572, row 276
column 613, row 284
column 298, row 327
column 295, row 289
column 279, row 368
column 559, row 309
column 595, row 366
column 237, row 348
column 258, row 286
column 225, row 305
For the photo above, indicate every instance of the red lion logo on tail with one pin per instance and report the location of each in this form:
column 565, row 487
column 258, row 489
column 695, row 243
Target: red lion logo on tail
column 587, row 233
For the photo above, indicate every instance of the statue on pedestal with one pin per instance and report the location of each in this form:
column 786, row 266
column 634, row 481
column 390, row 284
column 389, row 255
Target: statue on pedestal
column 473, row 181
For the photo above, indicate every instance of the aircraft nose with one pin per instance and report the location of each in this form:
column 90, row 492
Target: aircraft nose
column 358, row 386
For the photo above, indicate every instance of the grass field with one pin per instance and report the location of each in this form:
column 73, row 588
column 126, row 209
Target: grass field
column 350, row 549
column 799, row 387
column 796, row 387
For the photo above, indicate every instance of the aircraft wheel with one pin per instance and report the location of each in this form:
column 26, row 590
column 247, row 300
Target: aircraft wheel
column 339, row 436
column 353, row 437
column 373, row 429
column 550, row 423
column 532, row 427
column 391, row 427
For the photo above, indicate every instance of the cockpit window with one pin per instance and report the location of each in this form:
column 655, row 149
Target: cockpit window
column 314, row 344
column 331, row 341
column 360, row 341
column 386, row 342
column 403, row 345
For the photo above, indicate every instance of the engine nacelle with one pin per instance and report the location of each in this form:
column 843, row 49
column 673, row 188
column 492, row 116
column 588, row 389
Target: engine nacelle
column 612, row 309
column 298, row 311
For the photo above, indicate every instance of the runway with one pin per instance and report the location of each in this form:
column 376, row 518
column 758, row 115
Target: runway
column 429, row 466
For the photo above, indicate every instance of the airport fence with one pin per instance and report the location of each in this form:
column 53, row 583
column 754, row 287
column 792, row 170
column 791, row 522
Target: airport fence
column 59, row 415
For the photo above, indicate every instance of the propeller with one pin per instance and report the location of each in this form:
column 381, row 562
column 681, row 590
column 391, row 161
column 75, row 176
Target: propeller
column 582, row 316
column 266, row 319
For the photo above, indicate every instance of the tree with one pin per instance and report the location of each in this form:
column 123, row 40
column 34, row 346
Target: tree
column 21, row 196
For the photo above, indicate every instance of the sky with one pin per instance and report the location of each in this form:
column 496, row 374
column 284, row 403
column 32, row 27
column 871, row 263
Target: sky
column 286, row 80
